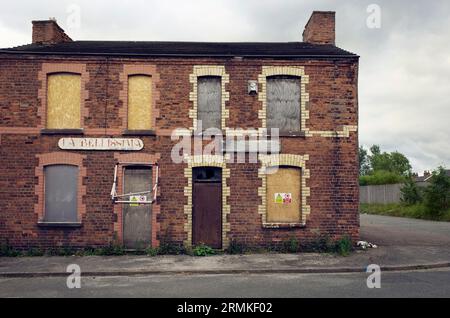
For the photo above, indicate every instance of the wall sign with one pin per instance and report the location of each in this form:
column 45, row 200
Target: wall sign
column 283, row 198
column 138, row 199
column 101, row 143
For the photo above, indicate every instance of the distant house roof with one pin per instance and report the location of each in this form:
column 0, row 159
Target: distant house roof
column 194, row 49
column 426, row 177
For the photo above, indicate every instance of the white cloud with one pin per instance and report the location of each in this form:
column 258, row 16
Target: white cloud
column 404, row 80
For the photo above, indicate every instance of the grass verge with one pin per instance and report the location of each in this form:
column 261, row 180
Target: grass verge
column 415, row 211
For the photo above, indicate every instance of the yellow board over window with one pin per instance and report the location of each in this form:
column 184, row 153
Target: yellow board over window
column 139, row 102
column 63, row 101
column 283, row 195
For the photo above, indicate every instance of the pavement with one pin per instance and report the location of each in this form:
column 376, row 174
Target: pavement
column 403, row 244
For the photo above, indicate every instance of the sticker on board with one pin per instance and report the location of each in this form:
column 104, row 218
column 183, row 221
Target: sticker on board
column 138, row 199
column 283, row 198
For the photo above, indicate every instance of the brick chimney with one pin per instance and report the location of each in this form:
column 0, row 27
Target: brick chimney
column 48, row 32
column 320, row 28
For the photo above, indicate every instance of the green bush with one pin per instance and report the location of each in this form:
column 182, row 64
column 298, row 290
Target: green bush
column 168, row 248
column 410, row 193
column 152, row 251
column 343, row 246
column 8, row 250
column 203, row 250
column 236, row 248
column 291, row 245
column 381, row 177
column 437, row 193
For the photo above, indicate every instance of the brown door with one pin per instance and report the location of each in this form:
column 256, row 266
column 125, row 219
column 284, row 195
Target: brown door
column 207, row 207
column 137, row 224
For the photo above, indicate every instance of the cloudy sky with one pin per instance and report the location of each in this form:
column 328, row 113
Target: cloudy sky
column 404, row 83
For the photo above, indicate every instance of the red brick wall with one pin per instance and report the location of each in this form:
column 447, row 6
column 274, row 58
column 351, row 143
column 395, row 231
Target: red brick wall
column 320, row 28
column 48, row 32
column 332, row 161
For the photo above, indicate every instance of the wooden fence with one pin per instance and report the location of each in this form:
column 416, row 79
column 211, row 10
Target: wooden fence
column 386, row 193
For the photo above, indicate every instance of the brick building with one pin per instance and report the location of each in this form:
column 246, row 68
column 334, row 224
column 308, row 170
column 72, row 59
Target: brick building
column 88, row 131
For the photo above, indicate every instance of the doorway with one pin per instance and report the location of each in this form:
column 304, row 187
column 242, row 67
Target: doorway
column 137, row 218
column 207, row 206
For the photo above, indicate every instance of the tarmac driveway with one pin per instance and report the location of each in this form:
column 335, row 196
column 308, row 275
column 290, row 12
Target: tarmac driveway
column 396, row 231
column 406, row 241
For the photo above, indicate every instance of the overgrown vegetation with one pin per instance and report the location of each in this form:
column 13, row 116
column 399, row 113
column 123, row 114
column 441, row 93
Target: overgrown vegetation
column 203, row 250
column 410, row 192
column 416, row 211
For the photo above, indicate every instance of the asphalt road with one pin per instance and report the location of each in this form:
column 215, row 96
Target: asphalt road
column 425, row 241
column 393, row 284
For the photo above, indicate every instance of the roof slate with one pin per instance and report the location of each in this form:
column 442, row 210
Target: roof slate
column 222, row 49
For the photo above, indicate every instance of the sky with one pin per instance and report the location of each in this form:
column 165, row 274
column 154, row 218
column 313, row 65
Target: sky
column 404, row 75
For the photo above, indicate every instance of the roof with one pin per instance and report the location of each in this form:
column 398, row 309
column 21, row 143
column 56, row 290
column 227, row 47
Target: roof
column 427, row 177
column 209, row 49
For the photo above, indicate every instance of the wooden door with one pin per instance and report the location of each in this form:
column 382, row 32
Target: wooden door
column 137, row 218
column 207, row 207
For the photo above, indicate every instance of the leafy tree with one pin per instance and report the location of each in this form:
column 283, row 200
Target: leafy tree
column 382, row 167
column 410, row 193
column 364, row 165
column 392, row 162
column 437, row 194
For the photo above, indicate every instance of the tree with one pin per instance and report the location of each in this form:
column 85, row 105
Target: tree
column 393, row 162
column 382, row 167
column 437, row 193
column 410, row 193
column 364, row 165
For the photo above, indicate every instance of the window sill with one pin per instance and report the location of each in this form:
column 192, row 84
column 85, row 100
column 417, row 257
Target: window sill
column 290, row 134
column 59, row 224
column 203, row 133
column 62, row 131
column 145, row 132
column 283, row 225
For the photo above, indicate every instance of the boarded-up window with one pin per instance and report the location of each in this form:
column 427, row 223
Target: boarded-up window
column 63, row 101
column 283, row 103
column 209, row 101
column 139, row 102
column 283, row 195
column 61, row 193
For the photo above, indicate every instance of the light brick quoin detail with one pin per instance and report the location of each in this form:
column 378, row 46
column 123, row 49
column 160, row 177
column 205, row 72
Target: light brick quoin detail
column 290, row 160
column 208, row 70
column 206, row 161
column 298, row 71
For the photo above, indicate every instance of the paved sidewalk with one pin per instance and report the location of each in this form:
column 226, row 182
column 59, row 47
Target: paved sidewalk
column 428, row 247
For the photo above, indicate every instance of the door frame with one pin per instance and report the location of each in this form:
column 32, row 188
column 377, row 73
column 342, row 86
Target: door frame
column 140, row 159
column 218, row 161
column 122, row 223
column 217, row 182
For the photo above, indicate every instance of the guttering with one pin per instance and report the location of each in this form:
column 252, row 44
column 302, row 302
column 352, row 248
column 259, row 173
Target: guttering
column 183, row 55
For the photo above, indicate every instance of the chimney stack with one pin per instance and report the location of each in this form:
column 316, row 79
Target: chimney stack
column 48, row 32
column 320, row 28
